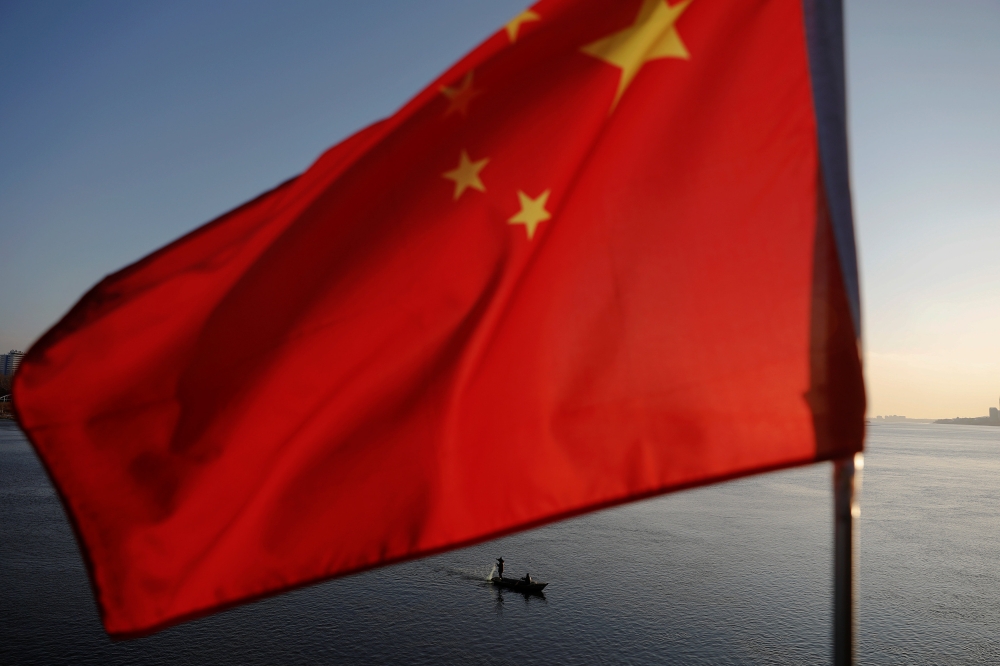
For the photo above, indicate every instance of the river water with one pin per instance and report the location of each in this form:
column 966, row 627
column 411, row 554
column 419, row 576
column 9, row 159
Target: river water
column 738, row 573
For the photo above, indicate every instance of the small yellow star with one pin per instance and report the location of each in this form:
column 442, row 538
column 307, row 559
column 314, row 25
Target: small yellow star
column 532, row 212
column 459, row 96
column 650, row 37
column 515, row 23
column 466, row 174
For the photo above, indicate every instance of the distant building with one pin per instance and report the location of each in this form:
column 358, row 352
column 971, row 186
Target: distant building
column 10, row 362
column 992, row 420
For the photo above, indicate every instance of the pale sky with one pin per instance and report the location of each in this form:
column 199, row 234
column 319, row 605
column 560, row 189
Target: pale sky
column 124, row 125
column 924, row 96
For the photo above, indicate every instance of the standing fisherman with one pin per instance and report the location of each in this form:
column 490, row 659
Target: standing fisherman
column 500, row 567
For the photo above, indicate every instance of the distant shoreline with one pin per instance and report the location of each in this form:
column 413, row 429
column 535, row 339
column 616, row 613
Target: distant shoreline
column 976, row 421
column 973, row 421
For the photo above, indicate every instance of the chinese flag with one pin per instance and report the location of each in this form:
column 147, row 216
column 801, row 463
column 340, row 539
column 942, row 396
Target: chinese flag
column 607, row 255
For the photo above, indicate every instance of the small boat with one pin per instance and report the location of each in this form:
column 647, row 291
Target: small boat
column 518, row 584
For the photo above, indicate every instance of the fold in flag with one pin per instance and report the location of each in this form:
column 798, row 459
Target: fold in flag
column 607, row 255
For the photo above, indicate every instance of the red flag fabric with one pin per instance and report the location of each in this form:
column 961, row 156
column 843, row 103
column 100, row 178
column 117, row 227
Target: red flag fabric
column 592, row 262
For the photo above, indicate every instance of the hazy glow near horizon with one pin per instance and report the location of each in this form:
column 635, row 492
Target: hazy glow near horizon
column 125, row 125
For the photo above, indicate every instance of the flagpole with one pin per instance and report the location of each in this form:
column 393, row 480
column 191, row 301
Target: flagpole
column 846, row 510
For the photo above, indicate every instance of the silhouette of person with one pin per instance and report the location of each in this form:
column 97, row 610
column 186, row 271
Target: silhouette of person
column 500, row 567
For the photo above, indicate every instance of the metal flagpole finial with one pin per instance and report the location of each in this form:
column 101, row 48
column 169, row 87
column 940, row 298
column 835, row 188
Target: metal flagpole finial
column 846, row 511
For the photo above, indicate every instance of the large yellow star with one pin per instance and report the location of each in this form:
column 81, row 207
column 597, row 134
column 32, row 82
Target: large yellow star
column 532, row 212
column 515, row 23
column 459, row 96
column 651, row 36
column 466, row 174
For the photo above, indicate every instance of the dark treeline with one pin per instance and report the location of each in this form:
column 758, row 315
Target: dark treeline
column 5, row 407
